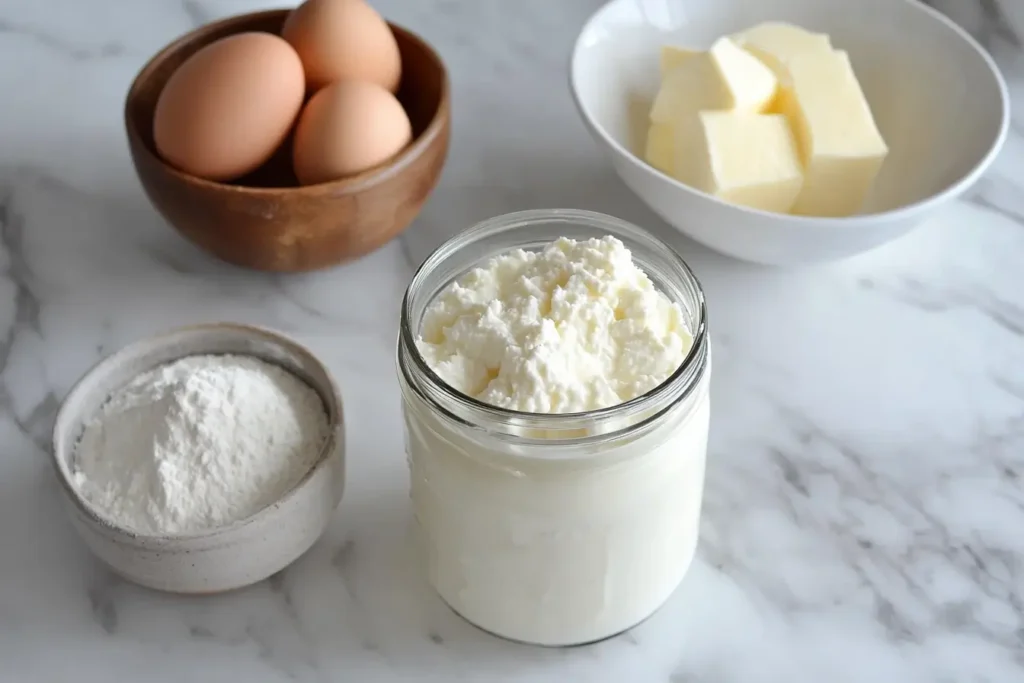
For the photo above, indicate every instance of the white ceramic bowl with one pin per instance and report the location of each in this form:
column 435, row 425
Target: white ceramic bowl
column 937, row 96
column 227, row 557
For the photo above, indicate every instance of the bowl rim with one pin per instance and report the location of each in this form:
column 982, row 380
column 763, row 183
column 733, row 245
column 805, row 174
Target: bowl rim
column 333, row 446
column 375, row 175
column 855, row 221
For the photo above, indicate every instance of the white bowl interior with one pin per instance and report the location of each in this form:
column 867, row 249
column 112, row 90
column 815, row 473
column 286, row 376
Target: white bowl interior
column 936, row 96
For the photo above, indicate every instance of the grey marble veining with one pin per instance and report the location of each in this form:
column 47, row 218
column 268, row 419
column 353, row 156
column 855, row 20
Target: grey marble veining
column 864, row 516
column 988, row 20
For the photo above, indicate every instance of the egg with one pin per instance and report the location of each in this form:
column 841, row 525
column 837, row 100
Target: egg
column 229, row 106
column 346, row 128
column 343, row 39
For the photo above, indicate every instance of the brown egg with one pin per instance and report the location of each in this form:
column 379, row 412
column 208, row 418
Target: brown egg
column 343, row 39
column 229, row 106
column 348, row 127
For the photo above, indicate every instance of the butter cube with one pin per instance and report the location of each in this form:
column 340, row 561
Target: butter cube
column 672, row 56
column 775, row 43
column 660, row 149
column 742, row 157
column 724, row 77
column 840, row 145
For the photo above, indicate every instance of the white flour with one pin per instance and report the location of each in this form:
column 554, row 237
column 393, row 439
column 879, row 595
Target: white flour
column 201, row 442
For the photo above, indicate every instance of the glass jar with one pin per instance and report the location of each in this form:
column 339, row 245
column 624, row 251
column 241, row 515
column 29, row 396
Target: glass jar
column 555, row 529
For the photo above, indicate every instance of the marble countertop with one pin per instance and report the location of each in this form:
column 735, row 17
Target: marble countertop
column 864, row 515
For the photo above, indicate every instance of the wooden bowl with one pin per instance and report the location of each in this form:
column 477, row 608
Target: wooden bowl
column 266, row 220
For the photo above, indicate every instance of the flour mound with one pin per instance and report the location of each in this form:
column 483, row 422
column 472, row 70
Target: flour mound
column 199, row 443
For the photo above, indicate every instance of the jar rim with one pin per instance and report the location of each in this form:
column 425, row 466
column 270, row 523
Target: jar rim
column 681, row 381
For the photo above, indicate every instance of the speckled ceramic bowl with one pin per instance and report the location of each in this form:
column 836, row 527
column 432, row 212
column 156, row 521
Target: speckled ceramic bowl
column 226, row 557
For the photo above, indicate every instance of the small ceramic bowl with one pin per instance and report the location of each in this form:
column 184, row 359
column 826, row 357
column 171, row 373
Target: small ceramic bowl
column 938, row 98
column 226, row 557
column 266, row 221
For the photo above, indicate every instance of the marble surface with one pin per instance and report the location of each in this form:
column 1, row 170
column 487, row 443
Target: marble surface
column 864, row 516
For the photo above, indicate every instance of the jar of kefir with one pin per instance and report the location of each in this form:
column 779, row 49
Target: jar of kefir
column 556, row 528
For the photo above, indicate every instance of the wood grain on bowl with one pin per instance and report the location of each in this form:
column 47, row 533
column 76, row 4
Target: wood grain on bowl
column 266, row 221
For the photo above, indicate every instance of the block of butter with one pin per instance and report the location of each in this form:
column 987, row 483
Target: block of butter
column 660, row 147
column 742, row 157
column 775, row 43
column 771, row 117
column 673, row 55
column 840, row 146
column 724, row 77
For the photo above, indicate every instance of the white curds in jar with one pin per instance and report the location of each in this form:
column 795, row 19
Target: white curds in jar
column 556, row 529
